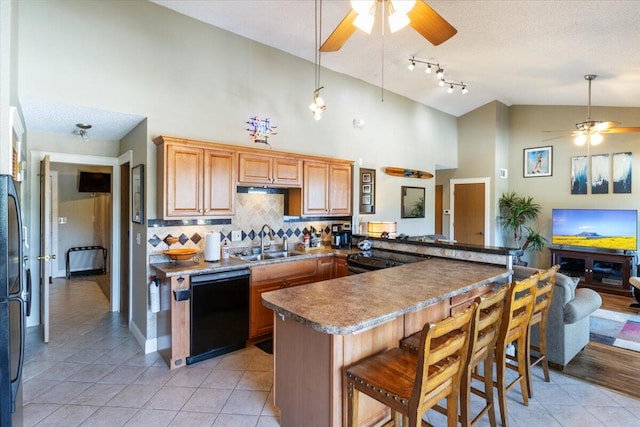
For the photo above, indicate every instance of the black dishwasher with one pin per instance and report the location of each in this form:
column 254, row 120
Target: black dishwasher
column 219, row 313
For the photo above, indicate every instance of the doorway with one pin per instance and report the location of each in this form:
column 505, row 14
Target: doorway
column 115, row 282
column 470, row 201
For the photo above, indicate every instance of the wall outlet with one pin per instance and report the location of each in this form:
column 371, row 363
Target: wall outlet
column 236, row 235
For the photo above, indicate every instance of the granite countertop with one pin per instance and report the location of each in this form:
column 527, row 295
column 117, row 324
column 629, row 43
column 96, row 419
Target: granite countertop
column 189, row 268
column 353, row 303
column 416, row 241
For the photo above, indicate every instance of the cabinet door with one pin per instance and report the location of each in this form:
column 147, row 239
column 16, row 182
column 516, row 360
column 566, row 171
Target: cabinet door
column 316, row 188
column 183, row 181
column 254, row 169
column 261, row 319
column 287, row 172
column 339, row 189
column 219, row 186
column 341, row 269
column 325, row 268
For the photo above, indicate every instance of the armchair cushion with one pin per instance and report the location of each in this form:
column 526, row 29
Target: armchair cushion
column 586, row 301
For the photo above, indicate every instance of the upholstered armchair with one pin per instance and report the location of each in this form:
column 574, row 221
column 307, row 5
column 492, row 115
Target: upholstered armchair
column 568, row 327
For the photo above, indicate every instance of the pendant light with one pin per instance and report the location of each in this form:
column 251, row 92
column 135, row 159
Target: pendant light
column 318, row 105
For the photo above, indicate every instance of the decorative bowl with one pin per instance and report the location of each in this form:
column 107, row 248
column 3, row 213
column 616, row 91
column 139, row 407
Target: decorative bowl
column 181, row 254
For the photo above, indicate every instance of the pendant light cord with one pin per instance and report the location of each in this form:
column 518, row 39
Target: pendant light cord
column 318, row 38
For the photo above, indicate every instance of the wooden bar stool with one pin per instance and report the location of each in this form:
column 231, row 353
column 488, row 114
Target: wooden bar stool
column 485, row 327
column 514, row 328
column 539, row 316
column 411, row 384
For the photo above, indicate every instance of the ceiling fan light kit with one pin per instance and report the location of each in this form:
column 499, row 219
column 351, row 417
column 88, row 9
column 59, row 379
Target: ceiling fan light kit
column 416, row 13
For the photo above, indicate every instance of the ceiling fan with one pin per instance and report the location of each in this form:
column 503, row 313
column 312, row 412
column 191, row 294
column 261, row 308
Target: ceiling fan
column 416, row 13
column 591, row 130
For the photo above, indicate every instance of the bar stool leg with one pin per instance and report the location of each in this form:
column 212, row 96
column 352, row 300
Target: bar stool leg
column 501, row 369
column 487, row 369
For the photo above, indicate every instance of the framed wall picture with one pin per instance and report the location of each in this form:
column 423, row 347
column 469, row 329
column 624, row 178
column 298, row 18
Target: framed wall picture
column 600, row 174
column 137, row 194
column 367, row 191
column 622, row 173
column 579, row 175
column 412, row 202
column 538, row 161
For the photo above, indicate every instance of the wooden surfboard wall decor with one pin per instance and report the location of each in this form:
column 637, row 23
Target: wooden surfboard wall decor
column 408, row 173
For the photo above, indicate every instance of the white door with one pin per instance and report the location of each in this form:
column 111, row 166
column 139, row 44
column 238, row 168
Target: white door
column 45, row 244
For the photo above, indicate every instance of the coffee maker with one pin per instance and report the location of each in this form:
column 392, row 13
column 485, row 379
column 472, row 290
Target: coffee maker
column 345, row 236
column 336, row 236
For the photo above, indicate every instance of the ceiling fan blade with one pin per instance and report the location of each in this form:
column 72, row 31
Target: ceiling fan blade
column 341, row 34
column 622, row 130
column 430, row 24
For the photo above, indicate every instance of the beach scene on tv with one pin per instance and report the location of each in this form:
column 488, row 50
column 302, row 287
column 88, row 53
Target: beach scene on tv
column 595, row 228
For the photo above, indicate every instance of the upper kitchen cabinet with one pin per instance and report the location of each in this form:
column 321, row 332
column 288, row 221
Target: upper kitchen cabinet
column 194, row 180
column 326, row 190
column 273, row 171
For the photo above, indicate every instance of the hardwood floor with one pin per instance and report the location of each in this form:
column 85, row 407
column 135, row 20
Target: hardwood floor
column 605, row 365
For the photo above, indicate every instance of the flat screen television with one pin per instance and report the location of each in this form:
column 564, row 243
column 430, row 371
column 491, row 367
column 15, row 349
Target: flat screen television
column 595, row 228
column 94, row 182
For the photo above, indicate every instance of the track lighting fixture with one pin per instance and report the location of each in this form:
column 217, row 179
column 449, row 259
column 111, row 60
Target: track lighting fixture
column 82, row 130
column 440, row 73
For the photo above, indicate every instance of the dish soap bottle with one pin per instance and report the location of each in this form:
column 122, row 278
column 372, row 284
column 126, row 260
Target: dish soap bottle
column 225, row 250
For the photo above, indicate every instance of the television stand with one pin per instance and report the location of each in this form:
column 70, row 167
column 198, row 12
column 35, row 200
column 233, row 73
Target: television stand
column 602, row 271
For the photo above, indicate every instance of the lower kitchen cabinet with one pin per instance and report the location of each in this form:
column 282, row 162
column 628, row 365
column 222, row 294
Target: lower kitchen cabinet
column 266, row 278
column 341, row 269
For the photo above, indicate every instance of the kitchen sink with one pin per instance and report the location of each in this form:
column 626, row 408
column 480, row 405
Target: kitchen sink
column 270, row 255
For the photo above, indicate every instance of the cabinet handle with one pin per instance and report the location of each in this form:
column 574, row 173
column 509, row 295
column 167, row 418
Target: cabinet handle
column 201, row 211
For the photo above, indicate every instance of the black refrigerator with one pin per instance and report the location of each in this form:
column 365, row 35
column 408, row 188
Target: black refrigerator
column 13, row 304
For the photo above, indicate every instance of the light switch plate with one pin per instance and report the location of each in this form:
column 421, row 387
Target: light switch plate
column 236, row 235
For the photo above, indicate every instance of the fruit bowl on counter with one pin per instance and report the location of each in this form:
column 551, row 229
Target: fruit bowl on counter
column 181, row 254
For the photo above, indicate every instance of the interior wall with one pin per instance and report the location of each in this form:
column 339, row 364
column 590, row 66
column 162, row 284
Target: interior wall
column 526, row 130
column 8, row 78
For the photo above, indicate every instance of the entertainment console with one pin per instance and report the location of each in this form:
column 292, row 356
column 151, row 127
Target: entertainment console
column 601, row 271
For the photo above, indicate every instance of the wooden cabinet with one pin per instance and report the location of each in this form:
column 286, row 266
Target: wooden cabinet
column 341, row 269
column 195, row 181
column 326, row 268
column 462, row 301
column 326, row 190
column 173, row 323
column 602, row 271
column 266, row 278
column 269, row 170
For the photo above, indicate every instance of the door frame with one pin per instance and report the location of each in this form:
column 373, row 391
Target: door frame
column 487, row 199
column 34, row 222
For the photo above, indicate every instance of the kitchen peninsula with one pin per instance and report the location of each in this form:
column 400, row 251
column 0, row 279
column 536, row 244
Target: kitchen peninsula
column 322, row 327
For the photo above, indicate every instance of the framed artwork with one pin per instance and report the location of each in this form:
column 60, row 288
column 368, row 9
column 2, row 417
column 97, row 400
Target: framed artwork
column 367, row 191
column 579, row 175
column 622, row 173
column 137, row 194
column 412, row 202
column 600, row 174
column 538, row 161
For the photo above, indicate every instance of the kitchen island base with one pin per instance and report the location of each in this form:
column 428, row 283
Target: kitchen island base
column 309, row 367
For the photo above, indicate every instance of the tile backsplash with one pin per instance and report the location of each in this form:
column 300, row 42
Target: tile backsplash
column 253, row 211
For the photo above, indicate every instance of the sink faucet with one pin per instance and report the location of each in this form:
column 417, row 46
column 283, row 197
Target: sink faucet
column 262, row 234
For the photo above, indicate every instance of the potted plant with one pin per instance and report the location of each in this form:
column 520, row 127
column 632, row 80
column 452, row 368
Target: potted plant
column 516, row 213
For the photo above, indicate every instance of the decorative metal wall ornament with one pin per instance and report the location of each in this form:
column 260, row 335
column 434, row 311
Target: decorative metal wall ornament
column 260, row 129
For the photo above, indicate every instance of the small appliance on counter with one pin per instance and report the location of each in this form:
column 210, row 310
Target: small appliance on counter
column 336, row 236
column 212, row 247
column 345, row 236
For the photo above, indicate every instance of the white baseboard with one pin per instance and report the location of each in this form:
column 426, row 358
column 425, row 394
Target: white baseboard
column 149, row 346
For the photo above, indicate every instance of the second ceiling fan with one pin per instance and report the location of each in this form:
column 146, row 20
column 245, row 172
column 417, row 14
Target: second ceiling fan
column 422, row 18
column 590, row 130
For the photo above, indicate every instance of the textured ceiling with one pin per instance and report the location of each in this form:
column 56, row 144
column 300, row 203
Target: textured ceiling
column 44, row 116
column 516, row 52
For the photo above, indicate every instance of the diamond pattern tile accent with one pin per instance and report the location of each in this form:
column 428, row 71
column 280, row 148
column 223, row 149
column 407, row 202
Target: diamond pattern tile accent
column 280, row 233
column 196, row 238
column 155, row 241
column 183, row 239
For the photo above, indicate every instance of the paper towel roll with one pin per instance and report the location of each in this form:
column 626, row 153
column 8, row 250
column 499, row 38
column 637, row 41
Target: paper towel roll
column 212, row 246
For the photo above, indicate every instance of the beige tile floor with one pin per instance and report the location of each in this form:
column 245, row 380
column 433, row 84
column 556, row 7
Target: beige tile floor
column 93, row 373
